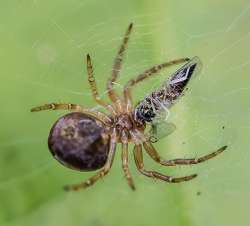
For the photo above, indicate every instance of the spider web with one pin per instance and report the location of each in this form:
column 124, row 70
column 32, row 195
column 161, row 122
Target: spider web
column 214, row 112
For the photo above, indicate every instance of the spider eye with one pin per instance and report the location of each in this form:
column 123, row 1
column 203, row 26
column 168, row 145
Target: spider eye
column 78, row 142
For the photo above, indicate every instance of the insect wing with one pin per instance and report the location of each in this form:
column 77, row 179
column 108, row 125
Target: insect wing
column 177, row 83
column 159, row 130
column 182, row 76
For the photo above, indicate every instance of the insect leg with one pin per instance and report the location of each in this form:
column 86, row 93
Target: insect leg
column 154, row 155
column 103, row 172
column 140, row 166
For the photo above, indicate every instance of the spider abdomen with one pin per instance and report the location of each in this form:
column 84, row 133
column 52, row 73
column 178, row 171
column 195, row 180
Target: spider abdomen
column 78, row 141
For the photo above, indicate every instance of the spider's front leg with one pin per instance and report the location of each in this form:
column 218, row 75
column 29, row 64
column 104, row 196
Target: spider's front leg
column 146, row 74
column 103, row 172
column 94, row 90
column 154, row 155
column 116, row 69
column 140, row 166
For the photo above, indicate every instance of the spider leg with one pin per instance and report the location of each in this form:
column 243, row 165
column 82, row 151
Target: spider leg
column 73, row 107
column 103, row 172
column 140, row 166
column 116, row 69
column 154, row 155
column 146, row 74
column 92, row 82
column 125, row 165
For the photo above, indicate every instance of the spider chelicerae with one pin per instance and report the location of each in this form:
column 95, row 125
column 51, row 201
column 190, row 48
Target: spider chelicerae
column 86, row 139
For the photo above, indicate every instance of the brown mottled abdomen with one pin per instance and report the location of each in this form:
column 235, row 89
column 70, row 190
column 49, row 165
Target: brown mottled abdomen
column 77, row 141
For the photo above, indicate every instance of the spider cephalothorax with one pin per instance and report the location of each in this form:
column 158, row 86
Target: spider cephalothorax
column 86, row 139
column 124, row 122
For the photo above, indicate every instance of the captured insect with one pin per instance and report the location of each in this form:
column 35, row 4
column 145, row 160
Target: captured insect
column 86, row 139
column 154, row 108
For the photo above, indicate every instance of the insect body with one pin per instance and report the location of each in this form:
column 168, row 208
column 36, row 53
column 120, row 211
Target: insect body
column 163, row 98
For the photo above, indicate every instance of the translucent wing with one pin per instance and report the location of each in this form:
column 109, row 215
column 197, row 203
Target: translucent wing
column 159, row 130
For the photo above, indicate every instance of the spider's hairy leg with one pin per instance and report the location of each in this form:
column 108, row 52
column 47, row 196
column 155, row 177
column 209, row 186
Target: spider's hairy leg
column 103, row 172
column 125, row 165
column 146, row 74
column 92, row 82
column 58, row 106
column 154, row 155
column 73, row 107
column 117, row 67
column 140, row 166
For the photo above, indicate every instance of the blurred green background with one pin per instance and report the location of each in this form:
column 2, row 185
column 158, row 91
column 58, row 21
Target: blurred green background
column 43, row 46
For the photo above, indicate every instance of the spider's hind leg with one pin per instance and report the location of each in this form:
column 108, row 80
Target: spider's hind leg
column 140, row 166
column 103, row 172
column 154, row 155
column 125, row 165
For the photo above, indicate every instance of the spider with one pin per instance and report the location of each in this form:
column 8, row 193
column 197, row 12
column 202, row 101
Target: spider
column 86, row 139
